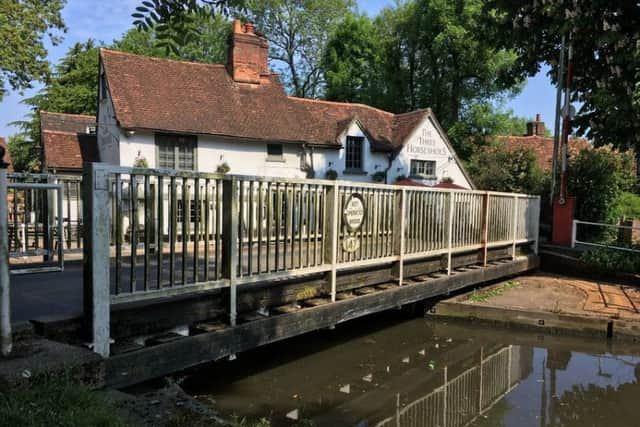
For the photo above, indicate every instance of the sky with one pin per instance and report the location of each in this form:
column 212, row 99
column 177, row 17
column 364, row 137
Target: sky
column 106, row 20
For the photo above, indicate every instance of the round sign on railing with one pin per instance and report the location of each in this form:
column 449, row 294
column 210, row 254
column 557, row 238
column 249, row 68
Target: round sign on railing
column 354, row 212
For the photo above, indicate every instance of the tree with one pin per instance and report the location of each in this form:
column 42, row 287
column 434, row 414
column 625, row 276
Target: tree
column 298, row 31
column 444, row 59
column 23, row 27
column 605, row 38
column 352, row 63
column 24, row 154
column 173, row 20
column 498, row 168
column 72, row 88
column 210, row 46
column 483, row 121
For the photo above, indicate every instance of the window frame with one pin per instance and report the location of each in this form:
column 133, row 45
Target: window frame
column 421, row 172
column 275, row 157
column 349, row 166
column 162, row 138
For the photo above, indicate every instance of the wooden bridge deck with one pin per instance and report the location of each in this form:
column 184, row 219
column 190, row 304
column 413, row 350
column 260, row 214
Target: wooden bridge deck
column 213, row 339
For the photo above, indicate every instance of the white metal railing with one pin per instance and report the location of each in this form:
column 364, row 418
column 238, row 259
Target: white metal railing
column 459, row 401
column 611, row 236
column 158, row 232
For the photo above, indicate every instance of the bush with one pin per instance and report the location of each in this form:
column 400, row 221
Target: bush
column 223, row 168
column 626, row 205
column 597, row 178
column 612, row 260
column 331, row 174
column 498, row 168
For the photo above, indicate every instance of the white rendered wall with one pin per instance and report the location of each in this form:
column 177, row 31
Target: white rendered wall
column 426, row 143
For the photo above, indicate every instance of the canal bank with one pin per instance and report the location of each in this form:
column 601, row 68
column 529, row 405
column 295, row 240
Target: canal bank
column 552, row 303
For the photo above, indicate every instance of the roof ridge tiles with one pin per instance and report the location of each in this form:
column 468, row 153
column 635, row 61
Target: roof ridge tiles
column 156, row 58
column 86, row 116
column 346, row 104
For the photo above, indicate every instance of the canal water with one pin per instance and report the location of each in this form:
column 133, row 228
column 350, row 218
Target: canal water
column 392, row 370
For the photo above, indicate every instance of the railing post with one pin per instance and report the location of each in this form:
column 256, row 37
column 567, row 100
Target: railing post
column 574, row 232
column 97, row 214
column 5, row 295
column 450, row 232
column 331, row 225
column 536, row 226
column 485, row 227
column 230, row 221
column 481, row 380
column 515, row 227
column 399, row 235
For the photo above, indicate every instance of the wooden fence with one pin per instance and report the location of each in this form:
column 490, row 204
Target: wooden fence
column 156, row 233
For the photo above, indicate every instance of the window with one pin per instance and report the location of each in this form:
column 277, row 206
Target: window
column 176, row 151
column 274, row 152
column 423, row 168
column 353, row 157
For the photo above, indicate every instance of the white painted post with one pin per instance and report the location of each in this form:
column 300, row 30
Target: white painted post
column 5, row 295
column 536, row 220
column 515, row 226
column 399, row 235
column 450, row 232
column 230, row 219
column 331, row 230
column 485, row 227
column 97, row 215
column 574, row 233
column 509, row 368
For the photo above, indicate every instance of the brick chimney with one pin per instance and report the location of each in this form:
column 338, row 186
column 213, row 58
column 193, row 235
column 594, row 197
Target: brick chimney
column 248, row 59
column 535, row 128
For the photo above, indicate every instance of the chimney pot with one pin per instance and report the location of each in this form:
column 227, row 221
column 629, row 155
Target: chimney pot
column 249, row 29
column 538, row 117
column 237, row 26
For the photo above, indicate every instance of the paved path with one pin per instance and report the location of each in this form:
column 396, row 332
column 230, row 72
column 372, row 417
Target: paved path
column 47, row 294
column 561, row 294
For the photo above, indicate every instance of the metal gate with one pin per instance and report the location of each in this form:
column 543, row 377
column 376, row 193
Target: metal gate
column 35, row 227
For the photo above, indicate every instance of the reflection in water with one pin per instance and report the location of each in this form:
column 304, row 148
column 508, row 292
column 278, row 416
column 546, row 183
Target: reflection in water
column 388, row 371
column 459, row 401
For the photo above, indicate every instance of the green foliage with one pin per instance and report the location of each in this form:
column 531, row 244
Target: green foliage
column 25, row 155
column 482, row 122
column 72, row 88
column 612, row 260
column 626, row 205
column 298, row 31
column 498, row 168
column 223, row 168
column 55, row 402
column 331, row 174
column 24, row 27
column 352, row 62
column 175, row 21
column 209, row 46
column 597, row 177
column 605, row 37
column 483, row 295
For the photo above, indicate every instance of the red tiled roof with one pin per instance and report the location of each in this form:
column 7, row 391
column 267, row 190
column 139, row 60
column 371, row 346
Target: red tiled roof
column 188, row 97
column 410, row 183
column 542, row 147
column 7, row 154
column 449, row 185
column 65, row 143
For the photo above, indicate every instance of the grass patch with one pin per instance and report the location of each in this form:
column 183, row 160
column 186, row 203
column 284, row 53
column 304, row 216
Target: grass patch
column 483, row 295
column 55, row 401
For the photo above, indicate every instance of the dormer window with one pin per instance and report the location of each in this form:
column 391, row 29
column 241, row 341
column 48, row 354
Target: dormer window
column 353, row 153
